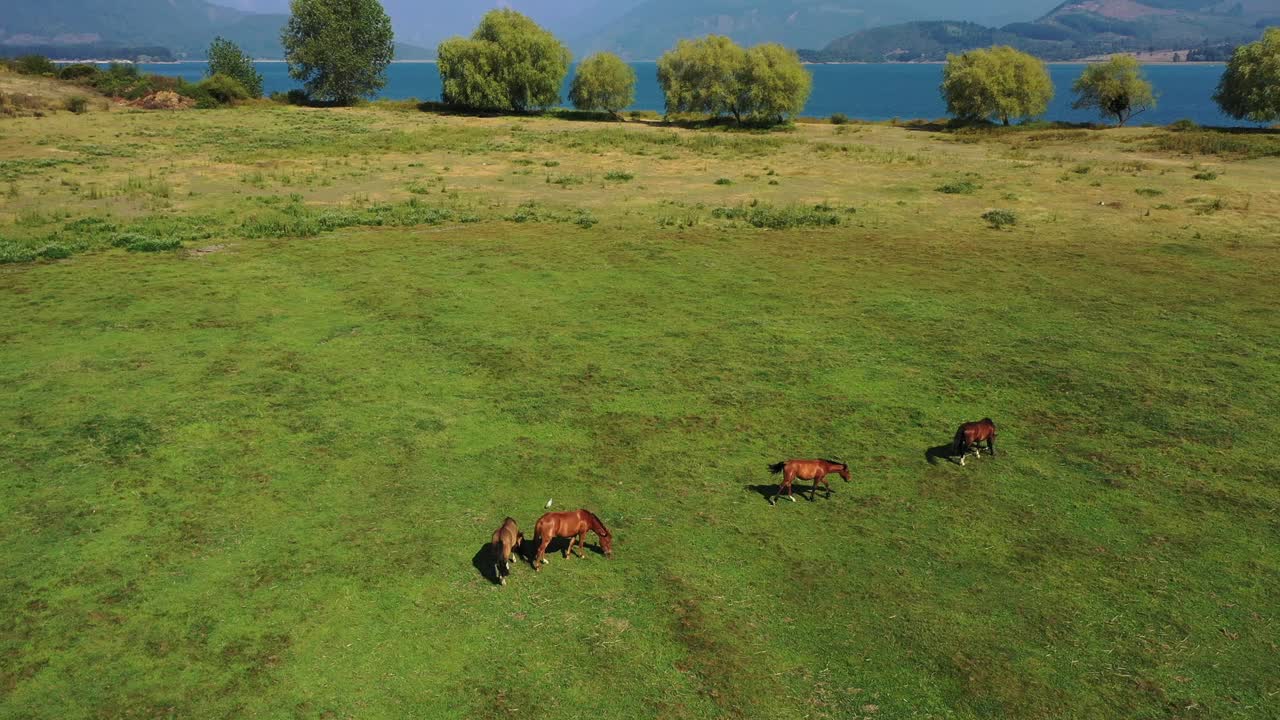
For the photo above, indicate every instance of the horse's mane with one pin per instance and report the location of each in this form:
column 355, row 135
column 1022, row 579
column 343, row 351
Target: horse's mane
column 834, row 462
column 596, row 520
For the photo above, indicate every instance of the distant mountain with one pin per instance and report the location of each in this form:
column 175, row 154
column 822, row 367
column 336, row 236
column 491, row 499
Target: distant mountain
column 1074, row 29
column 185, row 27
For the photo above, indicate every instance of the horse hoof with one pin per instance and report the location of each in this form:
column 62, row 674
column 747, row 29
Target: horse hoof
column 502, row 581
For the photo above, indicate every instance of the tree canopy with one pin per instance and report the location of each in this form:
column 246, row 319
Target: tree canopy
column 1115, row 88
column 714, row 75
column 603, row 82
column 998, row 82
column 1250, row 86
column 508, row 63
column 226, row 58
column 339, row 49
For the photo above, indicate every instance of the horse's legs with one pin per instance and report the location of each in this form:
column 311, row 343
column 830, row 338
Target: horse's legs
column 991, row 444
column 813, row 494
column 540, row 558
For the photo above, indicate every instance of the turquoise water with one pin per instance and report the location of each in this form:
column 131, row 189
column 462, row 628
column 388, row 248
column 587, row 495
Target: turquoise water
column 869, row 92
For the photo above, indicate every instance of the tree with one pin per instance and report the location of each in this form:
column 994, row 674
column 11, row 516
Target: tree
column 226, row 58
column 702, row 76
column 339, row 49
column 509, row 63
column 1115, row 88
column 999, row 82
column 1250, row 86
column 773, row 84
column 603, row 82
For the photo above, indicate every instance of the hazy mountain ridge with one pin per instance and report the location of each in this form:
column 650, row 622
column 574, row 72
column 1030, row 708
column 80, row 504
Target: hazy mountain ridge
column 1074, row 29
column 184, row 27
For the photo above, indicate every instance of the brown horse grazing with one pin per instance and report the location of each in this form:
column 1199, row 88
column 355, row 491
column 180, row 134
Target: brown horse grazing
column 972, row 433
column 573, row 525
column 506, row 539
column 815, row 470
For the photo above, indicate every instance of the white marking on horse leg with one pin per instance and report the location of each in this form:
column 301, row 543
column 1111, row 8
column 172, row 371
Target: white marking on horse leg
column 792, row 498
column 962, row 461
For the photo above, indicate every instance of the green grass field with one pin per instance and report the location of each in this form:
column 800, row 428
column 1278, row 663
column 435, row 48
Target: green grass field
column 250, row 475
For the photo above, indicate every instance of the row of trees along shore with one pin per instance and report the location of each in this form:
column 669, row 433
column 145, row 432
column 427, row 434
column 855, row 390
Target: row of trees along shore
column 340, row 50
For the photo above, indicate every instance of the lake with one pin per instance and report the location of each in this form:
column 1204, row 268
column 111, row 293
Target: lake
column 869, row 92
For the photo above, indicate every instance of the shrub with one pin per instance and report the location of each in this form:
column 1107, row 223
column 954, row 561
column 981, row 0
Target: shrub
column 1207, row 175
column 154, row 245
column 998, row 219
column 723, row 181
column 224, row 89
column 839, row 118
column 958, row 187
column 1183, row 125
column 35, row 65
column 78, row 104
column 79, row 71
column 780, row 218
column 54, row 251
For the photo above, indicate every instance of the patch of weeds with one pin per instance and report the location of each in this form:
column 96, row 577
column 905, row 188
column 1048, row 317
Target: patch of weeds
column 619, row 176
column 998, row 219
column 1082, row 169
column 551, row 163
column 118, row 438
column 11, row 252
column 723, row 181
column 958, row 187
column 566, row 180
column 780, row 218
column 1206, row 175
column 54, row 251
column 585, row 220
column 839, row 118
column 1149, row 192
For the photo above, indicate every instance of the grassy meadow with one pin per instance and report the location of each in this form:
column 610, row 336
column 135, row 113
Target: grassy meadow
column 272, row 377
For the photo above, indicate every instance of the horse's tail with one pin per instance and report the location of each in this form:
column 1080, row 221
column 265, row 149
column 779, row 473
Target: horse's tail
column 957, row 445
column 776, row 468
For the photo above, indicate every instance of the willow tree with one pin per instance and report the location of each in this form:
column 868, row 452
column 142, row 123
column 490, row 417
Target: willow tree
column 339, row 49
column 508, row 63
column 701, row 76
column 773, row 83
column 603, row 82
column 999, row 82
column 1115, row 88
column 1250, row 86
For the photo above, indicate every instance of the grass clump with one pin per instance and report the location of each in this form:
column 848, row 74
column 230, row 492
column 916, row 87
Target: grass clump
column 958, row 187
column 619, row 176
column 784, row 217
column 1149, row 192
column 723, row 181
column 1207, row 175
column 839, row 118
column 999, row 219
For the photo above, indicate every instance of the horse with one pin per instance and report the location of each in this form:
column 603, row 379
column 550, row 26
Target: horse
column 972, row 433
column 573, row 525
column 815, row 470
column 506, row 539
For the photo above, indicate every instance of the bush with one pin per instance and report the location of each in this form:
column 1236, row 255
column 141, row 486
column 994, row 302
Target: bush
column 154, row 245
column 1207, row 175
column 78, row 104
column 780, row 218
column 618, row 176
column 958, row 187
column 34, row 65
column 224, row 89
column 1183, row 125
column 79, row 71
column 998, row 219
column 54, row 251
column 839, row 118
column 723, row 181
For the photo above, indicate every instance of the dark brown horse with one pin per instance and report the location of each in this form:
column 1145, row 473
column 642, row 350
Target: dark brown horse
column 972, row 433
column 572, row 525
column 506, row 540
column 815, row 470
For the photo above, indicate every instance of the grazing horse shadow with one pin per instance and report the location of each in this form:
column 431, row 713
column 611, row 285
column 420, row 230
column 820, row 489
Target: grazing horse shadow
column 933, row 454
column 767, row 491
column 483, row 563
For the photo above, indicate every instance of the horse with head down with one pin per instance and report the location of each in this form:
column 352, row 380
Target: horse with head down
column 573, row 525
column 507, row 540
column 972, row 433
